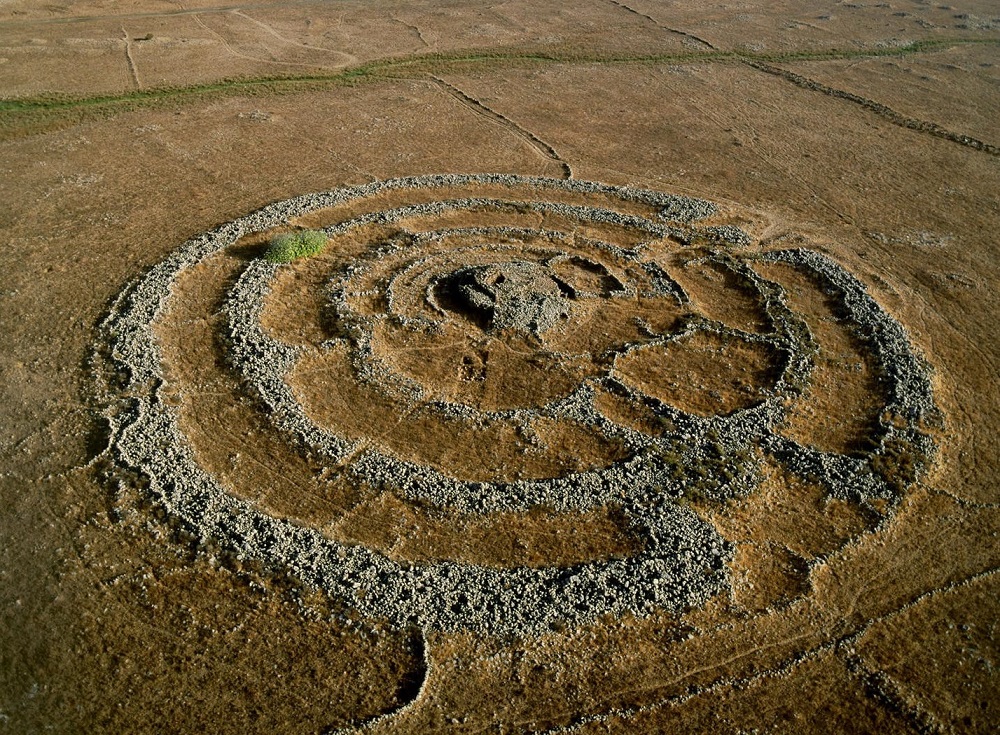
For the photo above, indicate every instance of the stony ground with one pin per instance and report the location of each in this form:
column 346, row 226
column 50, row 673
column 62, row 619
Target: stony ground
column 863, row 138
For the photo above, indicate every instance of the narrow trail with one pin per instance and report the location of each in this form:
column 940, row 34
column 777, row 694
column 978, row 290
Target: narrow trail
column 261, row 60
column 883, row 111
column 269, row 30
column 541, row 147
column 130, row 60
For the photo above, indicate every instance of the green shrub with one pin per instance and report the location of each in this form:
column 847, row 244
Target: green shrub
column 294, row 245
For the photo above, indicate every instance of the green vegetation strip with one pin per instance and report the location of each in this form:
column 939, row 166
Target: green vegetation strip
column 422, row 65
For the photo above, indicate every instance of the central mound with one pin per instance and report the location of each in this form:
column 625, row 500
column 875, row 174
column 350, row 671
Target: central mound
column 517, row 295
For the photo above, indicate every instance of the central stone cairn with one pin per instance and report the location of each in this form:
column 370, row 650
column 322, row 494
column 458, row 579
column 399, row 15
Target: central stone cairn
column 518, row 295
column 561, row 289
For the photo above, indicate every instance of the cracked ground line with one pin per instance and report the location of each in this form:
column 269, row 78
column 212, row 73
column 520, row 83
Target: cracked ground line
column 884, row 111
column 130, row 60
column 415, row 30
column 882, row 687
column 916, row 716
column 885, row 691
column 539, row 145
column 658, row 24
column 393, row 716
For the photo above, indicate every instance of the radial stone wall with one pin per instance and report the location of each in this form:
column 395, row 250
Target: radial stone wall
column 582, row 284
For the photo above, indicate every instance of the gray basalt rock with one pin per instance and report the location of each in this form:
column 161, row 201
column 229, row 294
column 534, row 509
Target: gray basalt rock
column 522, row 296
column 682, row 558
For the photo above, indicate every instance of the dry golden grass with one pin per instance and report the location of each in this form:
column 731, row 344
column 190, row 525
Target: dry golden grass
column 841, row 618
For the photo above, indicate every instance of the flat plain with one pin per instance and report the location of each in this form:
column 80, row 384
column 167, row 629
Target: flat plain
column 866, row 133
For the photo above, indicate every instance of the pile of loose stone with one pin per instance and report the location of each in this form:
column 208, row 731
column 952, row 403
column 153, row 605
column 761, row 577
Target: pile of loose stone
column 682, row 560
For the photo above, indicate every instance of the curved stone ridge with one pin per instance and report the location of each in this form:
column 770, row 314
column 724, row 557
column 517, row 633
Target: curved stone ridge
column 682, row 558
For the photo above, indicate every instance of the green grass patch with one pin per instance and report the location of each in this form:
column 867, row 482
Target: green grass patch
column 294, row 245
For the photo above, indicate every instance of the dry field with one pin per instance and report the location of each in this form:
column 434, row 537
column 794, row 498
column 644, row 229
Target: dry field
column 707, row 446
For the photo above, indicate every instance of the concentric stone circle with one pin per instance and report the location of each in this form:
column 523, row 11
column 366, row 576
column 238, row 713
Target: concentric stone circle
column 682, row 558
